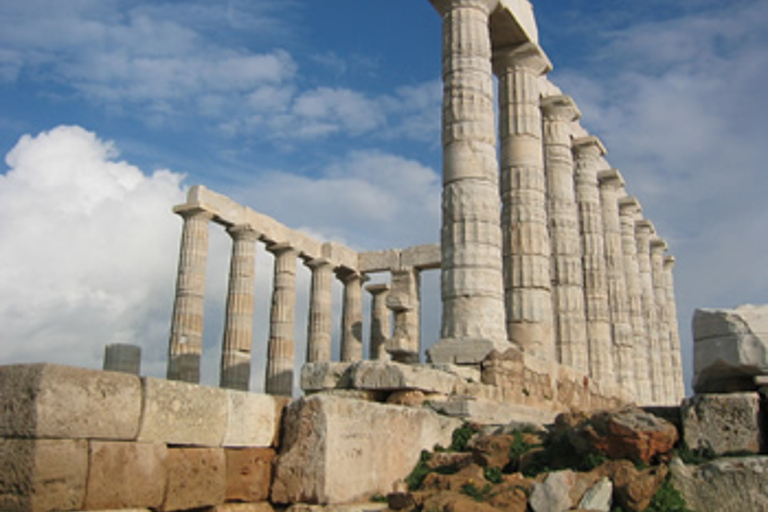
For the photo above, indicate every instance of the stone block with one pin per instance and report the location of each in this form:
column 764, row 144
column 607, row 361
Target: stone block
column 249, row 474
column 352, row 507
column 492, row 412
column 325, row 375
column 719, row 424
column 553, row 494
column 395, row 377
column 42, row 475
column 125, row 475
column 337, row 450
column 241, row 507
column 197, row 477
column 730, row 348
column 53, row 401
column 253, row 419
column 183, row 414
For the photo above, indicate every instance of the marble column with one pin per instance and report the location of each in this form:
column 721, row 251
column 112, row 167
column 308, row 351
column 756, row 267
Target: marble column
column 122, row 357
column 611, row 188
column 567, row 270
column 319, row 326
column 629, row 209
column 280, row 350
column 658, row 248
column 381, row 327
column 526, row 245
column 674, row 331
column 352, row 316
column 472, row 289
column 643, row 232
column 235, row 371
column 404, row 301
column 588, row 152
column 186, row 341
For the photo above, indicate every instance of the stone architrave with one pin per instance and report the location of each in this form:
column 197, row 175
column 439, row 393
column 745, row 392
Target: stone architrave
column 526, row 248
column 404, row 345
column 629, row 208
column 567, row 270
column 611, row 188
column 658, row 248
column 678, row 381
column 380, row 321
column 587, row 154
column 352, row 316
column 643, row 231
column 186, row 342
column 122, row 357
column 280, row 351
column 235, row 370
column 472, row 289
column 319, row 329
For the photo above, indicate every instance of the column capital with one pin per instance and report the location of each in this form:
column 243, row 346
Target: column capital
column 658, row 244
column 527, row 56
column 610, row 178
column 281, row 248
column 630, row 205
column 243, row 232
column 560, row 108
column 645, row 226
column 192, row 210
column 584, row 146
column 347, row 275
column 669, row 262
column 377, row 288
column 446, row 6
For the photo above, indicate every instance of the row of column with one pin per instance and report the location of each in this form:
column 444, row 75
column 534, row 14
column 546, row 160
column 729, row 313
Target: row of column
column 567, row 269
column 400, row 299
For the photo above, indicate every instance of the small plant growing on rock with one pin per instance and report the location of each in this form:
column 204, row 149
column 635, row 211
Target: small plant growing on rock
column 477, row 494
column 667, row 499
column 461, row 437
column 420, row 472
column 493, row 475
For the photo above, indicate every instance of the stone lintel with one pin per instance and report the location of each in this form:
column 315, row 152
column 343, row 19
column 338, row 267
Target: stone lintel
column 658, row 244
column 611, row 177
column 630, row 202
column 379, row 261
column 421, row 257
column 560, row 107
column 524, row 56
column 589, row 143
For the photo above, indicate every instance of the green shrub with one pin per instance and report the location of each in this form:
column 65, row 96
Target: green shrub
column 378, row 498
column 461, row 437
column 420, row 472
column 476, row 494
column 493, row 475
column 667, row 499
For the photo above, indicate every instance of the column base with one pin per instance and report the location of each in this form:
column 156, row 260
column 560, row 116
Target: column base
column 464, row 350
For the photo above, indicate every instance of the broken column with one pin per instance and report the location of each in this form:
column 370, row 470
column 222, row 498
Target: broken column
column 472, row 291
column 629, row 209
column 567, row 270
column 674, row 330
column 588, row 152
column 319, row 328
column 404, row 301
column 186, row 341
column 380, row 324
column 280, row 351
column 122, row 357
column 235, row 370
column 643, row 232
column 658, row 248
column 611, row 188
column 524, row 221
column 352, row 316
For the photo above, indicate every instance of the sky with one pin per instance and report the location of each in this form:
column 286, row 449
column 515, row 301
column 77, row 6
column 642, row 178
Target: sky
column 326, row 116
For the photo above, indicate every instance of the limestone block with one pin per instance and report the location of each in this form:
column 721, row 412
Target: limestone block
column 723, row 485
column 422, row 257
column 325, row 375
column 197, row 477
column 241, row 507
column 730, row 348
column 125, row 475
column 598, row 497
column 337, row 450
column 253, row 419
column 553, row 494
column 353, row 507
column 396, row 376
column 249, row 473
column 468, row 373
column 720, row 424
column 52, row 401
column 492, row 412
column 378, row 261
column 183, row 414
column 42, row 475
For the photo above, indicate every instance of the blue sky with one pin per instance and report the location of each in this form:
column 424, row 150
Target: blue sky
column 325, row 114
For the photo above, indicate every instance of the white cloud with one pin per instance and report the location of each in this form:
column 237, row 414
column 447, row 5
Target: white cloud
column 86, row 250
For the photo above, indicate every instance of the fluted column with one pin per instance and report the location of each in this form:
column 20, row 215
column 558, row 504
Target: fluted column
column 658, row 248
column 567, row 269
column 629, row 209
column 352, row 316
column 587, row 154
column 380, row 321
column 404, row 301
column 319, row 326
column 526, row 244
column 186, row 341
column 611, row 188
column 643, row 232
column 674, row 331
column 472, row 288
column 235, row 372
column 280, row 351
column 122, row 357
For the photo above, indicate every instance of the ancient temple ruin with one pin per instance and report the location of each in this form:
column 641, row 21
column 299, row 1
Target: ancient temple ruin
column 541, row 249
